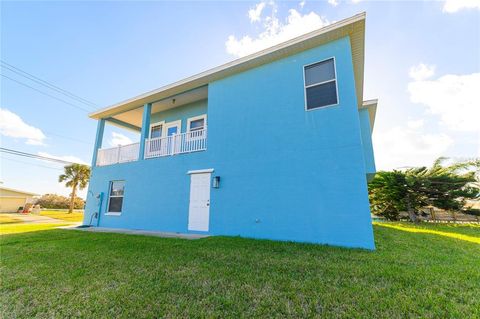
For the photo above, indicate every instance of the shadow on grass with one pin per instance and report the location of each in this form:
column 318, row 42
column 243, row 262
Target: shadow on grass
column 463, row 237
column 8, row 229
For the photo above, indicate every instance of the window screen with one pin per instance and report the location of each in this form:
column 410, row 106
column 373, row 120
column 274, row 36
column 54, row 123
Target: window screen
column 320, row 84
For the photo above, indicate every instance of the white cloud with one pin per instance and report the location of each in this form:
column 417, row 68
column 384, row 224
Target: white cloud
column 452, row 6
column 421, row 72
column 302, row 4
column 119, row 139
column 68, row 158
column 256, row 13
column 455, row 98
column 408, row 145
column 333, row 2
column 12, row 125
column 356, row 1
column 416, row 124
column 274, row 31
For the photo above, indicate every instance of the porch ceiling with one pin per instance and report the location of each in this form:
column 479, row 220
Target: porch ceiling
column 134, row 117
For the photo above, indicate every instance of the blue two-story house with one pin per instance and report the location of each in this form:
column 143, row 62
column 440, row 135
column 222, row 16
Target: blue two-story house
column 275, row 145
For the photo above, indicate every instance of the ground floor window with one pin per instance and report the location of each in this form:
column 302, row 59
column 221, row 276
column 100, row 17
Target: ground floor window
column 115, row 200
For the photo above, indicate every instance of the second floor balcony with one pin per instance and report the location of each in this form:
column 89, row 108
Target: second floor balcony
column 167, row 126
column 188, row 142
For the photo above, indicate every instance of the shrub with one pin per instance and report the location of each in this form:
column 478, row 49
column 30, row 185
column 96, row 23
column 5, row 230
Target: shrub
column 55, row 201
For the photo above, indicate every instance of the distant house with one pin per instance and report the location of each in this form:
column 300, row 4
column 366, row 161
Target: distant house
column 12, row 199
column 473, row 204
column 286, row 153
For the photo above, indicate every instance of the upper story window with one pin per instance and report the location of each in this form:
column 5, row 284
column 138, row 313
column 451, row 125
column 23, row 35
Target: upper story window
column 196, row 123
column 320, row 84
column 156, row 130
column 115, row 200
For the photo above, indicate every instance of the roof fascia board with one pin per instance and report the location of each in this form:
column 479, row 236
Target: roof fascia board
column 18, row 191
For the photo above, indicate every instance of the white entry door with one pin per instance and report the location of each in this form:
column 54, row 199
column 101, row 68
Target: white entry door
column 199, row 210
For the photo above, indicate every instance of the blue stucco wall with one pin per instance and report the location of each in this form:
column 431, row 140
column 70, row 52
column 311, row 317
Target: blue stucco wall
column 286, row 174
column 366, row 132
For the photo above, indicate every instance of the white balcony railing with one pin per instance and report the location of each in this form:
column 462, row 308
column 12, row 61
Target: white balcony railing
column 176, row 144
column 120, row 154
column 156, row 147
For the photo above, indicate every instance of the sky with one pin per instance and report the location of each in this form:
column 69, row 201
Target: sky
column 422, row 61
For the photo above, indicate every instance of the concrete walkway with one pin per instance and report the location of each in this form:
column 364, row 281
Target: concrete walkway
column 34, row 219
column 140, row 232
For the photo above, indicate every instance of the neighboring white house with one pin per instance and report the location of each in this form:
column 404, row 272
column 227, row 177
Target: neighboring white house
column 12, row 199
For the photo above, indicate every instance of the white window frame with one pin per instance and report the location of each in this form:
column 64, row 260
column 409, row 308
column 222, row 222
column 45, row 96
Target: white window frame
column 110, row 196
column 305, row 86
column 195, row 118
column 156, row 124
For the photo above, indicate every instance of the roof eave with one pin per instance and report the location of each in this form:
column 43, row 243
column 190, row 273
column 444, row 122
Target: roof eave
column 19, row 191
column 371, row 106
column 279, row 51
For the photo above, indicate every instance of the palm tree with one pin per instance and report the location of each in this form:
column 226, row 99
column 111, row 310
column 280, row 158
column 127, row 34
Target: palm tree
column 76, row 175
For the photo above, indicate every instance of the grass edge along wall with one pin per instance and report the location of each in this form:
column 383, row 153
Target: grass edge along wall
column 285, row 173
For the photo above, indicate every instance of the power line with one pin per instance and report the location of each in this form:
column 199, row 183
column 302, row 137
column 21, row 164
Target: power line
column 35, row 156
column 46, row 84
column 67, row 137
column 33, row 164
column 30, row 155
column 53, row 97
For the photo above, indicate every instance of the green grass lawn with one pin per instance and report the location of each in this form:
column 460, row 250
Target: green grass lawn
column 15, row 228
column 13, row 223
column 66, row 273
column 63, row 215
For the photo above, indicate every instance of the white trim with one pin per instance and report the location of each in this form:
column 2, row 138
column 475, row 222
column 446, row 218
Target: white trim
column 201, row 171
column 305, row 86
column 156, row 124
column 113, row 214
column 177, row 123
column 368, row 103
column 194, row 118
column 319, row 83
